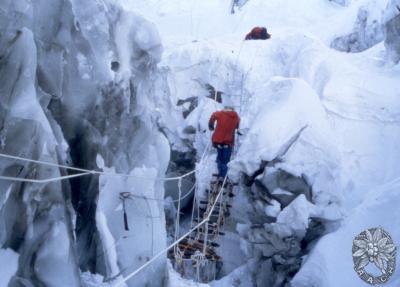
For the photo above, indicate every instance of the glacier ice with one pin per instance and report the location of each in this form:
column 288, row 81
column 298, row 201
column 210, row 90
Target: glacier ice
column 56, row 94
column 367, row 30
column 392, row 30
column 9, row 264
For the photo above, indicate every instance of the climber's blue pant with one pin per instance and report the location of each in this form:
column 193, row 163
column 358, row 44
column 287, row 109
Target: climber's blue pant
column 224, row 153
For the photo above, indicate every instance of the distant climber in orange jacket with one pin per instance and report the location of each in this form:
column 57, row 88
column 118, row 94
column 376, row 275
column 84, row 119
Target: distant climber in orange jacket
column 258, row 33
column 223, row 137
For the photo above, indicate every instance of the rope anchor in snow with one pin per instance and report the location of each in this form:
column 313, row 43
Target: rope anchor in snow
column 123, row 196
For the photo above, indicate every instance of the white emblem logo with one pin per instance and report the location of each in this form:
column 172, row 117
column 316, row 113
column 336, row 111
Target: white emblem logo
column 374, row 246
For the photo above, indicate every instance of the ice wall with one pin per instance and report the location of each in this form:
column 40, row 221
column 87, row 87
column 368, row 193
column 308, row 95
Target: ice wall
column 367, row 30
column 392, row 30
column 33, row 216
column 61, row 102
column 374, row 21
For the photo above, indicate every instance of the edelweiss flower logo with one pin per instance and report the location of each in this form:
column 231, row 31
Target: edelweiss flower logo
column 374, row 246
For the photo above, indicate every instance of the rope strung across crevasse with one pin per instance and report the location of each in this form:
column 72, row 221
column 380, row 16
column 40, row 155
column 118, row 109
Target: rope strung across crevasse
column 84, row 171
column 47, row 180
column 88, row 172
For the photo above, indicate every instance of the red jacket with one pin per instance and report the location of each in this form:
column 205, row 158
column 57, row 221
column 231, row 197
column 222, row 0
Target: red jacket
column 258, row 33
column 227, row 123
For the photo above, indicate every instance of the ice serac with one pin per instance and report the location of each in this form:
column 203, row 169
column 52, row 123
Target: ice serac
column 302, row 192
column 32, row 216
column 124, row 128
column 367, row 30
column 392, row 30
column 79, row 82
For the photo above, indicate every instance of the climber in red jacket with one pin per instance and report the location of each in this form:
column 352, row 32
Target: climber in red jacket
column 258, row 33
column 224, row 136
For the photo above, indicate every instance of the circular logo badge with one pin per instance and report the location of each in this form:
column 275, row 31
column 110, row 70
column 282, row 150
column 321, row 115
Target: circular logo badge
column 374, row 246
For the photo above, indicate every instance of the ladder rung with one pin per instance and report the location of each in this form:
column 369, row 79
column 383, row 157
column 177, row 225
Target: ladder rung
column 214, row 213
column 212, row 220
column 218, row 205
column 211, row 233
column 205, row 209
column 213, row 244
column 196, row 245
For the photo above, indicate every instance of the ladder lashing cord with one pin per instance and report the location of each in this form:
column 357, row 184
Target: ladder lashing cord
column 220, row 213
column 178, row 213
column 200, row 261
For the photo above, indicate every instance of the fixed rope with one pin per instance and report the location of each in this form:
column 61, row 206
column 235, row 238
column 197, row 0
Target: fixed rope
column 47, row 180
column 87, row 171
